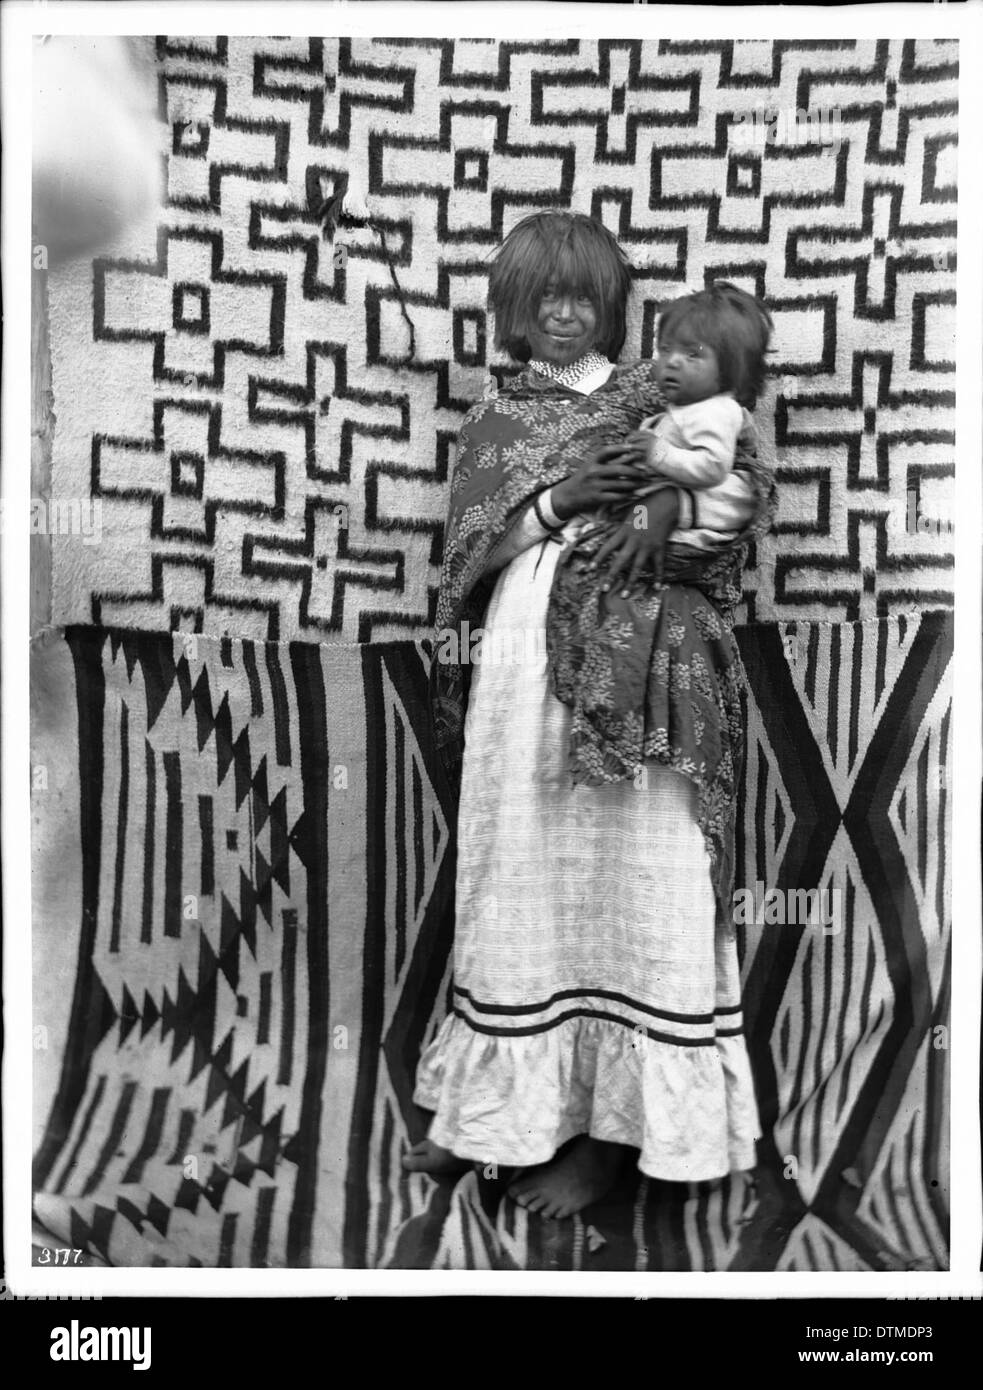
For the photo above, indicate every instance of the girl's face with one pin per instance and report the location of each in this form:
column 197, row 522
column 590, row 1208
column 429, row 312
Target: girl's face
column 687, row 370
column 565, row 328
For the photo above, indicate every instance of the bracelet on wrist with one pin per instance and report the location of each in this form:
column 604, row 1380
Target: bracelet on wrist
column 546, row 525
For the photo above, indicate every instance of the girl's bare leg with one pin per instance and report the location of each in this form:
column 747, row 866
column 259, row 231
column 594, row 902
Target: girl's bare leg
column 585, row 1173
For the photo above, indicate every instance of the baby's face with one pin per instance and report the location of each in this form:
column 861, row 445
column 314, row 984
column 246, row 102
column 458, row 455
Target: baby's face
column 687, row 370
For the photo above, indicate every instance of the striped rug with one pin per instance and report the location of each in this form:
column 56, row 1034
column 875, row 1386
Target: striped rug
column 243, row 874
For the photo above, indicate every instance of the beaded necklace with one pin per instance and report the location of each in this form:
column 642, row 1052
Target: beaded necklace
column 573, row 372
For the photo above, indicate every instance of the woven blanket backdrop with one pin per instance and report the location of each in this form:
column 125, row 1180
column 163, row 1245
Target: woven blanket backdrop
column 242, row 861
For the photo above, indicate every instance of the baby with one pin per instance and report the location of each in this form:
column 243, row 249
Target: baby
column 633, row 660
column 710, row 368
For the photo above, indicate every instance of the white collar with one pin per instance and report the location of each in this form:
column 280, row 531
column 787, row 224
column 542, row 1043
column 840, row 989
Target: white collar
column 596, row 378
column 574, row 374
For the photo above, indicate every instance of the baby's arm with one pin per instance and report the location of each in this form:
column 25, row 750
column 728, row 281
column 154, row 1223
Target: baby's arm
column 726, row 509
column 709, row 436
column 712, row 517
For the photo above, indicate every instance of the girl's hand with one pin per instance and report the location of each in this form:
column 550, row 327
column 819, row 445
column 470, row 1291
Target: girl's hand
column 611, row 474
column 635, row 549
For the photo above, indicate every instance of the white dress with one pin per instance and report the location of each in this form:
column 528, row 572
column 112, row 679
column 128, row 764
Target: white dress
column 592, row 993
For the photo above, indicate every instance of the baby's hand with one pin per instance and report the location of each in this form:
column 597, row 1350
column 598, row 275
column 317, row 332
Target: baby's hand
column 646, row 446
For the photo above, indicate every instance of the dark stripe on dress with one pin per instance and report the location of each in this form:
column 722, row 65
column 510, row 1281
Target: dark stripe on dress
column 594, row 1013
column 611, row 994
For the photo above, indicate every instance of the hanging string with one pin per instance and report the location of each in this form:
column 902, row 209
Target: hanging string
column 333, row 214
column 380, row 231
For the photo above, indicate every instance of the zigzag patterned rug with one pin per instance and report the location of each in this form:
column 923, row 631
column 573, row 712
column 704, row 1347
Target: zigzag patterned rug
column 243, row 878
column 269, row 442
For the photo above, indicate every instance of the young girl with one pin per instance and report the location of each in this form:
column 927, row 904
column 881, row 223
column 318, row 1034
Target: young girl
column 596, row 1006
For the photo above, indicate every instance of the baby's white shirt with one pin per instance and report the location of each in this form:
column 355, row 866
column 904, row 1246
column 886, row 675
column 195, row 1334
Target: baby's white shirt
column 698, row 441
column 721, row 508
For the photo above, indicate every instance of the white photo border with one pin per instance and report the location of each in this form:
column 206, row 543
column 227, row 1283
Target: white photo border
column 21, row 21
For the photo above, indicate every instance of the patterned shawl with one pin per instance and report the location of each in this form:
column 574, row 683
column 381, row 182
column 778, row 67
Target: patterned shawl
column 656, row 676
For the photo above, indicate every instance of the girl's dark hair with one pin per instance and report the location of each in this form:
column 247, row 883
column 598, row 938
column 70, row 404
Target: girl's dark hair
column 736, row 325
column 576, row 253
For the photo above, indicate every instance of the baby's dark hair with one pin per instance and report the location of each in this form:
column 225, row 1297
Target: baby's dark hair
column 575, row 252
column 736, row 325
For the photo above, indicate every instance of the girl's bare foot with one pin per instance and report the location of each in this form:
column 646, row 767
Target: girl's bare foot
column 428, row 1157
column 585, row 1173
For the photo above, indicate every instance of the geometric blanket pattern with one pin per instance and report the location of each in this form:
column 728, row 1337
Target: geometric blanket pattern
column 260, row 947
column 266, row 415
